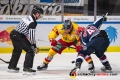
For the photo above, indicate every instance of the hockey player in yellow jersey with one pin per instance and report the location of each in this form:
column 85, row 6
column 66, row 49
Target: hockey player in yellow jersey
column 67, row 30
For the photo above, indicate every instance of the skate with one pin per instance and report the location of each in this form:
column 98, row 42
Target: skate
column 13, row 70
column 107, row 68
column 77, row 68
column 44, row 66
column 91, row 67
column 29, row 71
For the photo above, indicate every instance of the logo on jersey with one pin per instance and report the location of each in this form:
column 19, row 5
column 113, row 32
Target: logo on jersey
column 112, row 33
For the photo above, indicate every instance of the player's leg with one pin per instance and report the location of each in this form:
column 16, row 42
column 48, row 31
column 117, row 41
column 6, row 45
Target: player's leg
column 103, row 58
column 94, row 45
column 87, row 58
column 80, row 58
column 47, row 60
column 15, row 53
column 85, row 54
column 54, row 50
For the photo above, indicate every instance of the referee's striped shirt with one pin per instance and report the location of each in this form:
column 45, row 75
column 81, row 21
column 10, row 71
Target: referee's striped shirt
column 27, row 27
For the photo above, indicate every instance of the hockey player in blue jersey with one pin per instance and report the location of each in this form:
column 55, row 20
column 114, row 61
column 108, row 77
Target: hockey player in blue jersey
column 94, row 40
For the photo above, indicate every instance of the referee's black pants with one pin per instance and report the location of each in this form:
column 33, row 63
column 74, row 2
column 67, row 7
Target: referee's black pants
column 20, row 42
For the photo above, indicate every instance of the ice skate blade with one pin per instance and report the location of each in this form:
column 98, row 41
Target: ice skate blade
column 92, row 71
column 13, row 71
column 29, row 73
column 106, row 71
column 42, row 69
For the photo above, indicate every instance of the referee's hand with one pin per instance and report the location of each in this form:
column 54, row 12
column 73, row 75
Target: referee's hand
column 36, row 50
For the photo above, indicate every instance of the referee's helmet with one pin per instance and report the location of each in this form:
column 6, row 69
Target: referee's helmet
column 37, row 9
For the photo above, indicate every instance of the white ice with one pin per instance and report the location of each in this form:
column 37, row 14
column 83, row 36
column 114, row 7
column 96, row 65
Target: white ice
column 59, row 68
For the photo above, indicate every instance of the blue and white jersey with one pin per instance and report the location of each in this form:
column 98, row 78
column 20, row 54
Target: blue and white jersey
column 91, row 31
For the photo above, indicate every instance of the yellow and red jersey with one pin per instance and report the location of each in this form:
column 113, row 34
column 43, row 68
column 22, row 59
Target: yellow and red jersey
column 58, row 30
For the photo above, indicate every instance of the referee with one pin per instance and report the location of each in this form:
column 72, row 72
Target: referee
column 23, row 37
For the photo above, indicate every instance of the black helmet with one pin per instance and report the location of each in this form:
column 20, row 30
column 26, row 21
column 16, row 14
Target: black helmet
column 37, row 9
column 67, row 24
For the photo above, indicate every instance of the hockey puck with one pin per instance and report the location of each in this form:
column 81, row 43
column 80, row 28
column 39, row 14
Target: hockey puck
column 73, row 62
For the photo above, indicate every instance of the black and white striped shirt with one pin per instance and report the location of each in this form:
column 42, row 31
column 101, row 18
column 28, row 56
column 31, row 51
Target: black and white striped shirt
column 27, row 27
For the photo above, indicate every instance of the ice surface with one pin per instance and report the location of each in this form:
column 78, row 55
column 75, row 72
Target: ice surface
column 59, row 68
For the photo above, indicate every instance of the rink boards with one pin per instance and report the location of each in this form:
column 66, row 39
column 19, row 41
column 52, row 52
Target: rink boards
column 45, row 25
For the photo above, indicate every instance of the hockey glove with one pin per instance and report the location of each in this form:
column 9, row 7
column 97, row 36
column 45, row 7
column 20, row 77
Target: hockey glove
column 105, row 17
column 78, row 48
column 80, row 29
column 53, row 42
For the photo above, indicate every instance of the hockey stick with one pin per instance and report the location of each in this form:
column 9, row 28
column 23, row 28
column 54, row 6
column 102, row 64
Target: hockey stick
column 58, row 44
column 4, row 61
column 42, row 40
column 106, row 14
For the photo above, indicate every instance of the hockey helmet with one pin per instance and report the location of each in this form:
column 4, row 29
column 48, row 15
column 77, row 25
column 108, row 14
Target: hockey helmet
column 67, row 24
